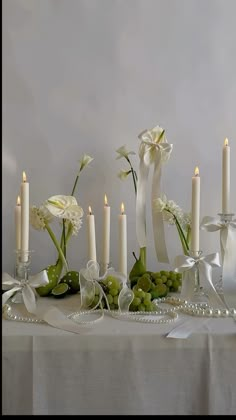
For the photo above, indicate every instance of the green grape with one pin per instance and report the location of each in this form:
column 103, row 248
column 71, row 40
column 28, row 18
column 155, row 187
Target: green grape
column 144, row 282
column 114, row 292
column 139, row 293
column 146, row 302
column 136, row 301
column 109, row 298
column 148, row 296
column 95, row 300
column 158, row 280
column 133, row 308
column 112, row 282
column 175, row 285
column 149, row 307
column 164, row 278
column 142, row 308
column 169, row 283
column 97, row 290
column 162, row 272
column 112, row 306
column 115, row 300
column 178, row 276
column 172, row 275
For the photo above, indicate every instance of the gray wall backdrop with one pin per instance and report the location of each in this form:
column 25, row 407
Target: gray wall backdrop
column 86, row 76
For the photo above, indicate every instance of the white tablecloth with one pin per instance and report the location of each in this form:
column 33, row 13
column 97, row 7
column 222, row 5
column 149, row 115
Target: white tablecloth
column 118, row 367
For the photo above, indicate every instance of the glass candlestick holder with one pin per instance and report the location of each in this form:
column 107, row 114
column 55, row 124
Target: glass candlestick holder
column 199, row 295
column 225, row 219
column 21, row 270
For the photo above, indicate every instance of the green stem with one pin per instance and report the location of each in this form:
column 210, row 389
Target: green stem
column 54, row 239
column 143, row 255
column 181, row 233
column 75, row 184
column 134, row 175
column 188, row 238
column 64, row 236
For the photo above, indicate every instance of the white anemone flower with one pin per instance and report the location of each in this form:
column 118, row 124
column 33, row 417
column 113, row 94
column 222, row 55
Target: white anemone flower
column 39, row 216
column 123, row 152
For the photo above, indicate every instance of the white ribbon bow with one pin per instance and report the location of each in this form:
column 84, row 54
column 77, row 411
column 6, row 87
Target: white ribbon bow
column 26, row 287
column 228, row 254
column 188, row 265
column 89, row 280
column 154, row 149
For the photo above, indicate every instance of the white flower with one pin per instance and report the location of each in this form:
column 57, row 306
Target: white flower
column 39, row 216
column 85, row 161
column 186, row 220
column 160, row 203
column 151, row 142
column 123, row 174
column 64, row 207
column 123, row 152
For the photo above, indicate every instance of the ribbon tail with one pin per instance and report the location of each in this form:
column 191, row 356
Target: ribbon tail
column 205, row 272
column 58, row 319
column 188, row 284
column 8, row 294
column 157, row 217
column 229, row 269
column 141, row 204
column 29, row 299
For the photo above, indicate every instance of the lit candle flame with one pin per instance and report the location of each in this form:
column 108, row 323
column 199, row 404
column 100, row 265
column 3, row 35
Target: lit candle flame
column 18, row 201
column 90, row 210
column 24, row 177
column 122, row 208
column 226, row 143
column 105, row 200
column 196, row 172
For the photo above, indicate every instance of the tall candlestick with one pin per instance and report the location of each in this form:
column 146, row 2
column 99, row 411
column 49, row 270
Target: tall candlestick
column 122, row 241
column 106, row 234
column 226, row 177
column 92, row 255
column 18, row 224
column 24, row 218
column 195, row 212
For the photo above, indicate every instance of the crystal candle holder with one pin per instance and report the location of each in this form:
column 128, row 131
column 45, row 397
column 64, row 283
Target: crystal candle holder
column 199, row 294
column 22, row 264
column 225, row 219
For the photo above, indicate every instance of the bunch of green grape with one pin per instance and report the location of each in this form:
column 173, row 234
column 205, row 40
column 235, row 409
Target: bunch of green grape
column 157, row 284
column 142, row 301
column 112, row 287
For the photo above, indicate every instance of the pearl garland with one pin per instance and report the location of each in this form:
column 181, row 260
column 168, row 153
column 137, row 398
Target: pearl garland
column 168, row 315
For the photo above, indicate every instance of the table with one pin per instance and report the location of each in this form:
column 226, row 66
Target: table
column 118, row 367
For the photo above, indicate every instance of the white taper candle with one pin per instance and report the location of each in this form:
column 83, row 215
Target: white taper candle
column 226, row 177
column 195, row 212
column 18, row 224
column 123, row 241
column 106, row 234
column 92, row 255
column 24, row 218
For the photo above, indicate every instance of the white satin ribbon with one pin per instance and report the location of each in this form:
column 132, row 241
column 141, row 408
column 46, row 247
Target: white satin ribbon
column 90, row 279
column 52, row 315
column 151, row 152
column 228, row 254
column 26, row 287
column 188, row 265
